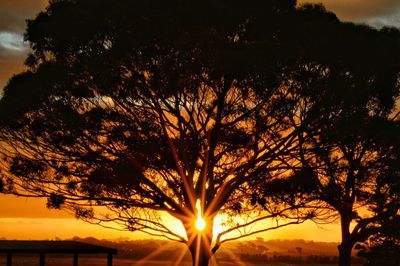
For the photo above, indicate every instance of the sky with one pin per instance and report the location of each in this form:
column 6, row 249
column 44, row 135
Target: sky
column 22, row 218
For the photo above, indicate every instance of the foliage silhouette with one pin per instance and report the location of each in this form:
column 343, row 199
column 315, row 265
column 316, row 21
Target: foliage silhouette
column 349, row 161
column 383, row 247
column 355, row 169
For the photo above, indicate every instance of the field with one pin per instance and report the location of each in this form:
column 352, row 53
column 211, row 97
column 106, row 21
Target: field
column 152, row 252
column 63, row 261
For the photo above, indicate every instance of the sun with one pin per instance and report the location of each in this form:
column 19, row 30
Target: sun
column 200, row 222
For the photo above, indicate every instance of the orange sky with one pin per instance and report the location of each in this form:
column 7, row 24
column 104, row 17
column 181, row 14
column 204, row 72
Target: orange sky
column 22, row 218
column 29, row 219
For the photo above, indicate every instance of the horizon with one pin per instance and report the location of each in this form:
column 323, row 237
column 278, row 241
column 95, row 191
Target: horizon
column 127, row 239
column 32, row 220
column 13, row 210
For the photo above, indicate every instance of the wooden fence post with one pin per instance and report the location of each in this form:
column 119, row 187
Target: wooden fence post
column 9, row 259
column 109, row 259
column 42, row 258
column 75, row 259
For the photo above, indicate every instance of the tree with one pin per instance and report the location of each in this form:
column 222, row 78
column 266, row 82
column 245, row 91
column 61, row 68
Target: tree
column 132, row 109
column 351, row 178
column 348, row 162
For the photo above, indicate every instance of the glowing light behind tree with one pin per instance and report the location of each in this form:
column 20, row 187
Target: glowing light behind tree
column 200, row 222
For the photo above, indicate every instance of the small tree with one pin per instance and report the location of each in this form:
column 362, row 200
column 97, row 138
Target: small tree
column 345, row 159
column 348, row 162
column 351, row 179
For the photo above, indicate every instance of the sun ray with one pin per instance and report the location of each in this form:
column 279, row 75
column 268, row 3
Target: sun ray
column 180, row 257
column 235, row 259
column 144, row 261
column 213, row 261
column 197, row 251
column 182, row 254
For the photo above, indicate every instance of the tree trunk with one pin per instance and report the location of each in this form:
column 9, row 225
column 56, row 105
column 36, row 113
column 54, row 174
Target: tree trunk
column 199, row 245
column 200, row 254
column 345, row 254
column 347, row 244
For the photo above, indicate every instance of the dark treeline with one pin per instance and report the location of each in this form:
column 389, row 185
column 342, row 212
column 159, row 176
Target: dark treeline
column 255, row 251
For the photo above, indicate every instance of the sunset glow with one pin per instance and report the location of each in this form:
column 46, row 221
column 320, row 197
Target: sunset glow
column 200, row 222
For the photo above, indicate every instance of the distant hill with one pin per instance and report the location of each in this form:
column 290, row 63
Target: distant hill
column 287, row 247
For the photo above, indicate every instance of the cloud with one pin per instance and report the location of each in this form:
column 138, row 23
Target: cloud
column 362, row 10
column 391, row 20
column 13, row 42
column 13, row 13
column 13, row 52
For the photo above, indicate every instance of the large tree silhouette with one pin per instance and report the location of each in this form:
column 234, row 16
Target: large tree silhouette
column 132, row 109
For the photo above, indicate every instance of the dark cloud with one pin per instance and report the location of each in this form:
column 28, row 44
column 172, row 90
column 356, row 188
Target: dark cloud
column 362, row 10
column 13, row 13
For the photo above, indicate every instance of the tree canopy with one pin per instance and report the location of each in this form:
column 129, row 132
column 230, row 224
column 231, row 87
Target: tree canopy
column 151, row 107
